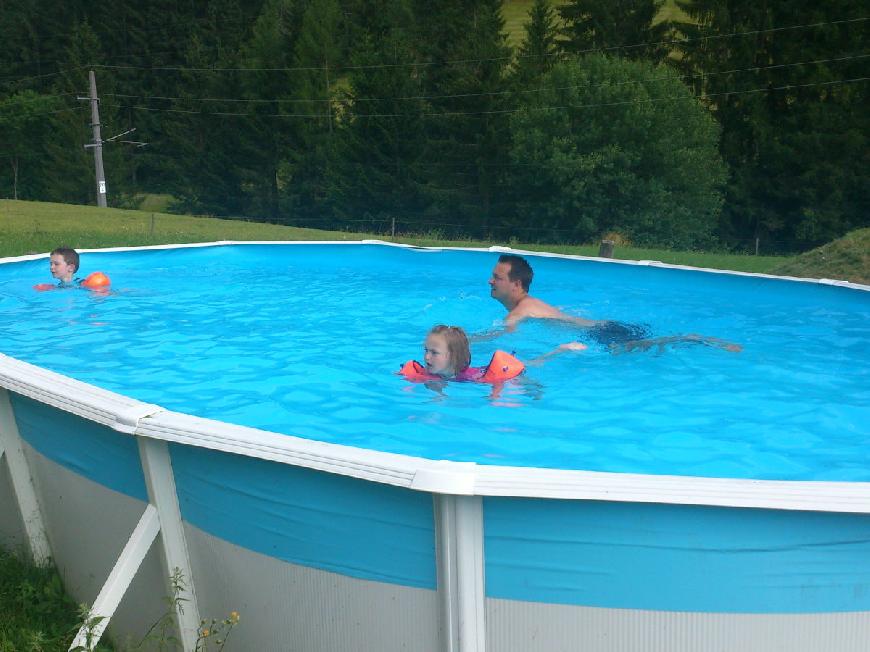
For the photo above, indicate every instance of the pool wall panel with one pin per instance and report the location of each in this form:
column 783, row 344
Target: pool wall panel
column 286, row 606
column 676, row 557
column 535, row 627
column 335, row 523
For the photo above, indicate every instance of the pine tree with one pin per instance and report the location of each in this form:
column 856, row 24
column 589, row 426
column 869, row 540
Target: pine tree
column 626, row 28
column 794, row 128
column 318, row 53
column 538, row 52
column 23, row 137
column 376, row 173
column 466, row 56
column 200, row 144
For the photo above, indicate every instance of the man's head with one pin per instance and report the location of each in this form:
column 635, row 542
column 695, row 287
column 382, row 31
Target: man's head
column 520, row 270
column 63, row 263
column 511, row 279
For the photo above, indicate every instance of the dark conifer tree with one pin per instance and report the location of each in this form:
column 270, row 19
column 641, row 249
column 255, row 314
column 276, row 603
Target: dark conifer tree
column 318, row 53
column 197, row 145
column 539, row 50
column 375, row 172
column 777, row 77
column 466, row 56
column 24, row 134
column 626, row 28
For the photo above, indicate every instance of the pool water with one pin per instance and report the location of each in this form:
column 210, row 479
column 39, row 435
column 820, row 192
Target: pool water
column 305, row 340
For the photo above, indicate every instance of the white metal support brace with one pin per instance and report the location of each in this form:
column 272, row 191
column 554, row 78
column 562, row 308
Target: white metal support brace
column 22, row 483
column 459, row 550
column 160, row 481
column 445, row 555
column 119, row 579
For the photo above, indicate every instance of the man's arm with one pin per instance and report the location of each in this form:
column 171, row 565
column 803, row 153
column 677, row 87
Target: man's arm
column 494, row 333
column 562, row 348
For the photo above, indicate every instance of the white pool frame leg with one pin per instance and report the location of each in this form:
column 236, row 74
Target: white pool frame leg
column 160, row 482
column 22, row 483
column 459, row 554
column 119, row 579
column 162, row 516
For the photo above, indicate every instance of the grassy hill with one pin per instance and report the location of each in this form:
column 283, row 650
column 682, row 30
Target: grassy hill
column 847, row 259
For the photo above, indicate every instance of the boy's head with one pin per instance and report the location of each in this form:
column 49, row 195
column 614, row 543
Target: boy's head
column 64, row 263
column 446, row 350
column 520, row 270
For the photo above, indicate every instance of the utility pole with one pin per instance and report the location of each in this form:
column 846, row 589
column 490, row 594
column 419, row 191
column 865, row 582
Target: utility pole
column 98, row 141
column 97, row 145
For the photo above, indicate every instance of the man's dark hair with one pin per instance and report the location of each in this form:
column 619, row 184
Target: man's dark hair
column 71, row 256
column 520, row 269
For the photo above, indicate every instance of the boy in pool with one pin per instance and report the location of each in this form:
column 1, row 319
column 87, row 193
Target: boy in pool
column 64, row 263
column 446, row 356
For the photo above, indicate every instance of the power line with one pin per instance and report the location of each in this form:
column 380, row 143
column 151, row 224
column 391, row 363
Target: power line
column 498, row 111
column 755, row 32
column 502, row 93
column 413, row 64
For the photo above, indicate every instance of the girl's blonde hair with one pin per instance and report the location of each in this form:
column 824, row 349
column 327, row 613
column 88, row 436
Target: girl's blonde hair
column 457, row 346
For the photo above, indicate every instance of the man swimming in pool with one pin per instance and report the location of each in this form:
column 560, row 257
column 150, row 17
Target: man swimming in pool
column 509, row 285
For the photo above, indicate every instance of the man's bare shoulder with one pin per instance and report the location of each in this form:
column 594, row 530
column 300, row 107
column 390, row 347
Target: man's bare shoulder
column 532, row 307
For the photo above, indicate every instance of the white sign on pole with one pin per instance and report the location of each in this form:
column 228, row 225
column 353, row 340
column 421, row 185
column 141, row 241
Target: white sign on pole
column 102, row 187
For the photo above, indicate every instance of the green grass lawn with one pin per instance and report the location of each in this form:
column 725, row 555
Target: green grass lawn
column 37, row 227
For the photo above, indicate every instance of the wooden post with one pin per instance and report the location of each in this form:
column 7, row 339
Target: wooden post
column 605, row 250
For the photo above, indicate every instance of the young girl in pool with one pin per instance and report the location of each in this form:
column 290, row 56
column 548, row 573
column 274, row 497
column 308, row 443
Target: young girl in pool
column 446, row 356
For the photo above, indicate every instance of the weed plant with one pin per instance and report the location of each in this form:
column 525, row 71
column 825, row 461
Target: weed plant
column 37, row 615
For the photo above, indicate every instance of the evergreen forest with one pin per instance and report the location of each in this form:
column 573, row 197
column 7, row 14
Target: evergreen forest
column 743, row 127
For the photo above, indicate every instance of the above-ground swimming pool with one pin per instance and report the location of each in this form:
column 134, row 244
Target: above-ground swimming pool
column 686, row 498
column 306, row 341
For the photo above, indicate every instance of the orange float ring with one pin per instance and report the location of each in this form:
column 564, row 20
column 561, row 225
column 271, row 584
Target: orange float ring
column 503, row 366
column 96, row 281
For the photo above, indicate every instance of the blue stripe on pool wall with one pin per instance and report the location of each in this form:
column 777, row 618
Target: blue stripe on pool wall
column 89, row 449
column 676, row 557
column 336, row 523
